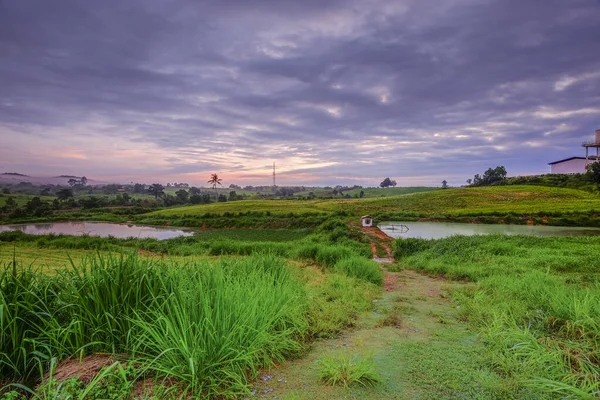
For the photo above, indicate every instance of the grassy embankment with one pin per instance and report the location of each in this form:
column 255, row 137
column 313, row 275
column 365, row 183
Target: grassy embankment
column 502, row 204
column 367, row 192
column 535, row 304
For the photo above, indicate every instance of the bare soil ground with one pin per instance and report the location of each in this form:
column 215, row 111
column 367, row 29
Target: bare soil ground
column 84, row 369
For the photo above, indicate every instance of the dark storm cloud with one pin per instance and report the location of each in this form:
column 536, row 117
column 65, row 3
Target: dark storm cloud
column 340, row 89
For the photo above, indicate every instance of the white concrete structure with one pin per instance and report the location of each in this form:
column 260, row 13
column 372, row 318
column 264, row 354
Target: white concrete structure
column 571, row 165
column 366, row 220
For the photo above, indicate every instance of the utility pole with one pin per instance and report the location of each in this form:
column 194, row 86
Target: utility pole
column 273, row 175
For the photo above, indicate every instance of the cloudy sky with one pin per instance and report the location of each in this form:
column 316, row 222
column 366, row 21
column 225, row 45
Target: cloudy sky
column 334, row 92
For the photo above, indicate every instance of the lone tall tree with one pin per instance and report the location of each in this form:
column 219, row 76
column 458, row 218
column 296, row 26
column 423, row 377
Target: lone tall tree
column 214, row 181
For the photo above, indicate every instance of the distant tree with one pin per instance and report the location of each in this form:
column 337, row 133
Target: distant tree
column 311, row 195
column 45, row 192
column 222, row 198
column 214, row 181
column 37, row 207
column 393, row 183
column 469, row 181
column 83, row 180
column 493, row 176
column 126, row 198
column 139, row 188
column 157, row 190
column 232, row 186
column 194, row 191
column 335, row 192
column 593, row 172
column 195, row 199
column 72, row 182
column 387, row 182
column 361, row 194
column 233, row 196
column 10, row 203
column 112, row 188
column 444, row 184
column 182, row 196
column 6, row 190
column 64, row 194
column 205, row 198
column 169, row 200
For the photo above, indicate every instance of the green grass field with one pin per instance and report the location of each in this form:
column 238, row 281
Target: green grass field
column 22, row 199
column 535, row 304
column 491, row 317
column 460, row 202
column 367, row 192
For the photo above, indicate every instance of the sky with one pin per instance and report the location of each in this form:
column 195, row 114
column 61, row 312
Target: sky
column 334, row 92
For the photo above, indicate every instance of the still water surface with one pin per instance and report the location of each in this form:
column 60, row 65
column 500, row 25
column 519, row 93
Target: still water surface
column 98, row 229
column 438, row 230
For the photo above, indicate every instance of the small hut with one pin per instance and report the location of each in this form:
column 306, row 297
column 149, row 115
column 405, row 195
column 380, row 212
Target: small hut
column 366, row 220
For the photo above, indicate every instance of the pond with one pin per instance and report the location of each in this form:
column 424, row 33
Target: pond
column 438, row 230
column 101, row 229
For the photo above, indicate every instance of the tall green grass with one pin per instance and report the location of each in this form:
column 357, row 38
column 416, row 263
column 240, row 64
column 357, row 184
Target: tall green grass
column 27, row 302
column 221, row 323
column 537, row 303
column 211, row 325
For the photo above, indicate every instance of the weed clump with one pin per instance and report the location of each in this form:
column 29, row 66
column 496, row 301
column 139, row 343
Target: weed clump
column 345, row 370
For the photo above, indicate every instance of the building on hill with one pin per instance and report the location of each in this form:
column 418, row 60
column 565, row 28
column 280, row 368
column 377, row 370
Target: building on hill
column 578, row 165
column 571, row 165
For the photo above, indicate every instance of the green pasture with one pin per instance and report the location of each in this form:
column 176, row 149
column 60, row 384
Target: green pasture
column 457, row 202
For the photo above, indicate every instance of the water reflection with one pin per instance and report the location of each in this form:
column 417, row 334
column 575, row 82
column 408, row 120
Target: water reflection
column 438, row 230
column 98, row 229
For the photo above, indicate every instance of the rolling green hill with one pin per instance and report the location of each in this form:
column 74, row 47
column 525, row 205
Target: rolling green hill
column 450, row 203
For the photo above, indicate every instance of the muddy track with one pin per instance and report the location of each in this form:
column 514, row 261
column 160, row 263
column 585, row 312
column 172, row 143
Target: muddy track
column 377, row 237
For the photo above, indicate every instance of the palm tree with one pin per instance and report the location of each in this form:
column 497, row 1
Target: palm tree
column 214, row 181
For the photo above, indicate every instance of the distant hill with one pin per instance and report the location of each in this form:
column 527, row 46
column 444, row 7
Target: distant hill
column 13, row 178
column 14, row 173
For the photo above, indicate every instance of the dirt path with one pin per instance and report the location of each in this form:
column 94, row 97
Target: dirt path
column 418, row 345
column 379, row 239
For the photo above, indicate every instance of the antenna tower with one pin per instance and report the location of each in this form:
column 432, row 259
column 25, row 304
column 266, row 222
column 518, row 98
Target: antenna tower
column 273, row 174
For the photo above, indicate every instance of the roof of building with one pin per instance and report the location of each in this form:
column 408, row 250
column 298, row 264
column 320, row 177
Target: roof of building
column 572, row 158
column 366, row 216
